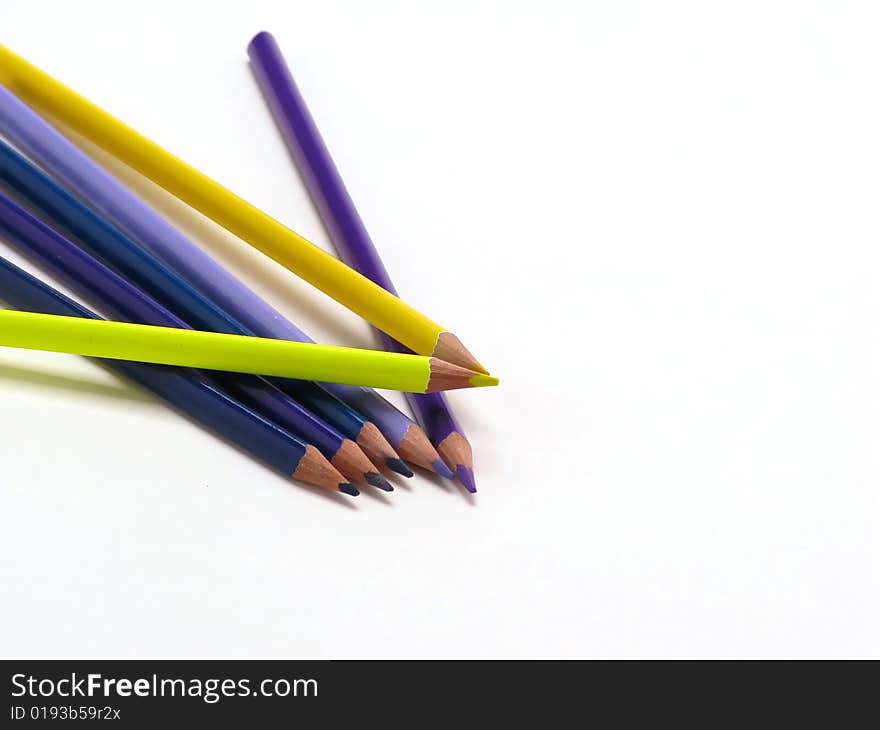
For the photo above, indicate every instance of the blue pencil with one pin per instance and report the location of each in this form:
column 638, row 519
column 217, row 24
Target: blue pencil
column 122, row 301
column 177, row 304
column 188, row 391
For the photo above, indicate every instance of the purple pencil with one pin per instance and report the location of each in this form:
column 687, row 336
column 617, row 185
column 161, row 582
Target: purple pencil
column 347, row 231
column 96, row 187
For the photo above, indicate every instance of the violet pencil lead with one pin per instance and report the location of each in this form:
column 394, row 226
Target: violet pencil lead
column 349, row 489
column 466, row 477
column 377, row 480
column 444, row 471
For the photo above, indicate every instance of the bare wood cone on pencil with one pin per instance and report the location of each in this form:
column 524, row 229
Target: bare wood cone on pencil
column 417, row 449
column 450, row 349
column 456, row 452
column 446, row 376
column 354, row 464
column 315, row 469
column 380, row 452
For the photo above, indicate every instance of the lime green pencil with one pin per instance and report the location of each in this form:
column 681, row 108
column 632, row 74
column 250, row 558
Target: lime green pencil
column 235, row 353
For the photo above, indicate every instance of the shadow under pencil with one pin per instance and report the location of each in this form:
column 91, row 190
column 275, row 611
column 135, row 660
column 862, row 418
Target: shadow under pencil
column 56, row 381
column 122, row 391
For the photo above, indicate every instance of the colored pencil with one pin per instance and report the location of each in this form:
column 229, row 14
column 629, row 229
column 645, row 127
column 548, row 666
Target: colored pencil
column 231, row 353
column 189, row 392
column 347, row 231
column 121, row 300
column 312, row 413
column 62, row 159
column 384, row 310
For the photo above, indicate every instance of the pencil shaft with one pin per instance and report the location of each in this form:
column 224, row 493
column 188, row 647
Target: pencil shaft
column 185, row 390
column 316, row 166
column 97, row 187
column 358, row 293
column 212, row 351
column 337, row 210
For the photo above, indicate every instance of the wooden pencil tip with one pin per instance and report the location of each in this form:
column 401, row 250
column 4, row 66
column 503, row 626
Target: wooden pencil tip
column 449, row 348
column 315, row 469
column 456, row 452
column 447, row 376
column 415, row 448
column 354, row 464
column 378, row 450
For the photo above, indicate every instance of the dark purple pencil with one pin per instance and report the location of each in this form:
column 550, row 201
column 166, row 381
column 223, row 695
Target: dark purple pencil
column 347, row 231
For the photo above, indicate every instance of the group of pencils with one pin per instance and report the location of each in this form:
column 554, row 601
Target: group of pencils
column 188, row 330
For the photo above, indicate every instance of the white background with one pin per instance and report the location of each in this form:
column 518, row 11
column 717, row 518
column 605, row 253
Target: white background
column 656, row 222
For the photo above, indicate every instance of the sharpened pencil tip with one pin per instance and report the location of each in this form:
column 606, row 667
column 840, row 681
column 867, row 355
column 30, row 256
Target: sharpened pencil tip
column 479, row 380
column 448, row 347
column 439, row 466
column 466, row 477
column 378, row 481
column 399, row 466
column 349, row 489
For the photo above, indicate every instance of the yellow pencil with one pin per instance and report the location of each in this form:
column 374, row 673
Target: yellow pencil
column 235, row 353
column 385, row 311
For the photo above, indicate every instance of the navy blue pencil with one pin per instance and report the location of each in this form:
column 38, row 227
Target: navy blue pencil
column 122, row 301
column 185, row 307
column 187, row 391
column 81, row 224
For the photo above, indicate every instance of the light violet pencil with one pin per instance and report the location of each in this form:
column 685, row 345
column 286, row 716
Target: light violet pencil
column 98, row 188
column 347, row 231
